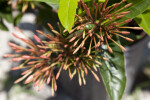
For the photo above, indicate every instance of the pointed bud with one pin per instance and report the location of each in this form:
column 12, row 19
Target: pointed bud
column 9, row 55
column 124, row 13
column 110, row 50
column 36, row 83
column 122, row 48
column 15, row 35
column 125, row 32
column 16, row 59
column 96, row 77
column 37, row 39
column 131, row 40
column 39, row 89
column 128, row 20
column 43, row 56
column 38, row 65
column 15, row 68
column 50, row 26
column 48, row 80
column 18, row 29
column 29, row 79
column 128, row 5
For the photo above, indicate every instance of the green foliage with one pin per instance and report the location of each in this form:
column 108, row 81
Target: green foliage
column 138, row 7
column 5, row 12
column 2, row 26
column 113, row 72
column 66, row 13
column 143, row 20
column 48, row 1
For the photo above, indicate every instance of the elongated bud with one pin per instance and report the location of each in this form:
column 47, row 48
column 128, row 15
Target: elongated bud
column 118, row 17
column 39, row 89
column 124, row 13
column 38, row 65
column 131, row 40
column 110, row 50
column 9, row 55
column 29, row 79
column 128, row 20
column 50, row 26
column 72, row 39
column 43, row 51
column 57, row 76
column 26, row 57
column 125, row 32
column 43, row 56
column 122, row 48
column 48, row 79
column 128, row 5
column 18, row 80
column 18, row 29
column 15, row 68
column 36, row 83
column 12, row 44
column 32, row 62
column 15, row 35
column 17, row 59
column 96, row 77
column 55, row 86
column 37, row 39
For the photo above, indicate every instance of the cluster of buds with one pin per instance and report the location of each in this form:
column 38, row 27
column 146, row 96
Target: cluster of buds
column 74, row 52
column 43, row 58
column 99, row 24
column 25, row 4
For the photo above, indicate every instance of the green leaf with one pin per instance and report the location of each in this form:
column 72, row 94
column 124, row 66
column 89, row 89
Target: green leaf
column 113, row 72
column 66, row 13
column 17, row 19
column 101, row 0
column 47, row 1
column 6, row 11
column 143, row 20
column 2, row 26
column 138, row 7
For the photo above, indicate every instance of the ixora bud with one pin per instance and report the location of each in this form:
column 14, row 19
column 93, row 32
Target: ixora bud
column 57, row 52
column 105, row 24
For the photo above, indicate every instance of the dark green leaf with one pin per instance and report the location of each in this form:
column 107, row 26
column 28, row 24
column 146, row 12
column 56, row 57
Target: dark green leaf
column 138, row 7
column 144, row 21
column 66, row 13
column 113, row 72
column 6, row 11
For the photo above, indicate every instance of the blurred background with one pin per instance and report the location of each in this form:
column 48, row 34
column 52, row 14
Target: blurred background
column 137, row 61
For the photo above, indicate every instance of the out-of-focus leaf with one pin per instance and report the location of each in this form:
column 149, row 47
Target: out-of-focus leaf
column 47, row 16
column 143, row 20
column 47, row 1
column 2, row 26
column 5, row 11
column 113, row 72
column 66, row 13
column 17, row 19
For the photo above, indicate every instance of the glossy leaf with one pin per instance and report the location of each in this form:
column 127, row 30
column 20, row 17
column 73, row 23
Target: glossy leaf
column 66, row 13
column 138, row 7
column 143, row 20
column 113, row 72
